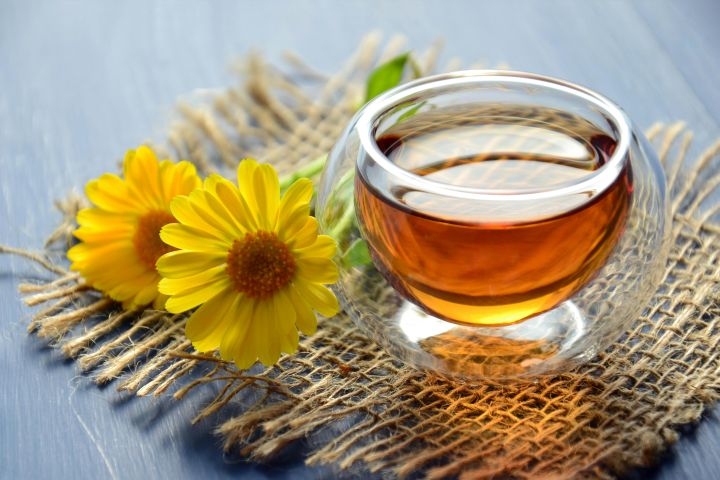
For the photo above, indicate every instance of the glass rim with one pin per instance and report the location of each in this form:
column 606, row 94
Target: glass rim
column 595, row 182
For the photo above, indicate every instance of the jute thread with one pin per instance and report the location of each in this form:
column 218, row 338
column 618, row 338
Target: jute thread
column 358, row 408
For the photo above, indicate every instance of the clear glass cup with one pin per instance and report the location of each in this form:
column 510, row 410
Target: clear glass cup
column 494, row 224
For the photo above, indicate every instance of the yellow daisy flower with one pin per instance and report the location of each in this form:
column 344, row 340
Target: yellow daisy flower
column 252, row 260
column 120, row 235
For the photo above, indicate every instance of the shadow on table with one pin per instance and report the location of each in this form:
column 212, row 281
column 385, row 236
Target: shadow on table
column 198, row 443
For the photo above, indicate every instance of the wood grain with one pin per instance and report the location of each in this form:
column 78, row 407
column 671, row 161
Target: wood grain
column 82, row 81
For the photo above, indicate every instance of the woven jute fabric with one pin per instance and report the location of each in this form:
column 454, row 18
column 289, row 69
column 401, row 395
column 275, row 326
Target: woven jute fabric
column 355, row 406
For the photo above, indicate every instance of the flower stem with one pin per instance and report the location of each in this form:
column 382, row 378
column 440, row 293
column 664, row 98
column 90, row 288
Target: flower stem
column 307, row 171
column 344, row 224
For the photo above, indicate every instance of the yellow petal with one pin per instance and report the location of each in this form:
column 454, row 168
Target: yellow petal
column 317, row 269
column 139, row 161
column 159, row 302
column 185, row 211
column 214, row 339
column 294, row 223
column 110, row 193
column 289, row 341
column 109, row 253
column 246, row 353
column 215, row 213
column 91, row 235
column 183, row 263
column 108, row 271
column 100, row 219
column 236, row 204
column 306, row 236
column 168, row 181
column 177, row 179
column 245, row 173
column 305, row 319
column 192, row 298
column 206, row 326
column 267, row 195
column 318, row 297
column 141, row 170
column 184, row 237
column 147, row 294
column 284, row 316
column 178, row 286
column 212, row 181
column 188, row 178
column 246, row 181
column 240, row 318
column 324, row 246
column 266, row 339
column 299, row 193
column 129, row 289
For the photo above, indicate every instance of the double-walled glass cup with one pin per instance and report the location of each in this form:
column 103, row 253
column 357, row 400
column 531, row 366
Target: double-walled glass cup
column 494, row 223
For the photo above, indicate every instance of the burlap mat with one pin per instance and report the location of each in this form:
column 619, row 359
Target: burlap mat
column 359, row 409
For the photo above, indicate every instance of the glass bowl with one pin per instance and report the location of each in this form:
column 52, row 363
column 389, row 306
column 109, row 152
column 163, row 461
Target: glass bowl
column 494, row 224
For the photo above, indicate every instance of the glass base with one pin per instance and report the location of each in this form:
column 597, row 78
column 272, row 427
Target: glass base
column 546, row 343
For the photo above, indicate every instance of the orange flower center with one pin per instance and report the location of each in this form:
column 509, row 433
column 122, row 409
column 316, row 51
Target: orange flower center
column 147, row 241
column 260, row 264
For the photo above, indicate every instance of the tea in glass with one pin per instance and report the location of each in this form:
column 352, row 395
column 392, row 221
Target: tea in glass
column 492, row 263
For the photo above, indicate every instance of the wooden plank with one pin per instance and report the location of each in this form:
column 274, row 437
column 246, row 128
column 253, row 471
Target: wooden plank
column 688, row 34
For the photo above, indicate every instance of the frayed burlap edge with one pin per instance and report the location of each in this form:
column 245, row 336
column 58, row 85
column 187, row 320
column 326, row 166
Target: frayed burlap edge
column 356, row 406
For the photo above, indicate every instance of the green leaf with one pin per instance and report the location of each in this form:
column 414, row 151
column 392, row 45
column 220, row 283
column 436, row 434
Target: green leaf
column 386, row 76
column 357, row 254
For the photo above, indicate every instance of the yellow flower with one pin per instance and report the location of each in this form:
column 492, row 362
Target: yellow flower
column 253, row 261
column 120, row 235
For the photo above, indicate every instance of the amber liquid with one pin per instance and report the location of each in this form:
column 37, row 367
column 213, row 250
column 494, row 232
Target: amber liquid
column 484, row 265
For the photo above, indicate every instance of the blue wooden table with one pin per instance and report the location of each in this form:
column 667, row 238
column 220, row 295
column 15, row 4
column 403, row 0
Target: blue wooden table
column 82, row 81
